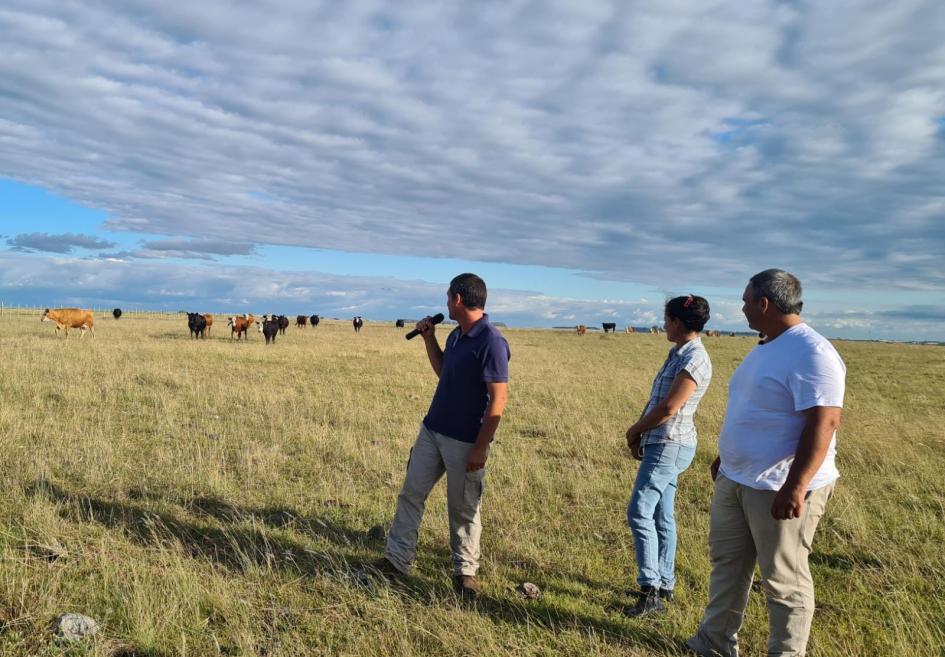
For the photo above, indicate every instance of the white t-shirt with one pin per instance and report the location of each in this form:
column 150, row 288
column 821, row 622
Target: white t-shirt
column 767, row 397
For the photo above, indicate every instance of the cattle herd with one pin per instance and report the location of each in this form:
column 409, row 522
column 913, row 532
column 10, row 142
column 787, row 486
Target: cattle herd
column 269, row 325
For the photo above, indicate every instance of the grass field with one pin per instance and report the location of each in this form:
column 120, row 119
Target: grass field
column 204, row 498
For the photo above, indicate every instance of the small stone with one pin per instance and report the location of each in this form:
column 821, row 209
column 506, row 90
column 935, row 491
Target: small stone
column 529, row 591
column 376, row 533
column 74, row 627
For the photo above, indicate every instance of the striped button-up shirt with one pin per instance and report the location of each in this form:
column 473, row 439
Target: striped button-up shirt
column 693, row 359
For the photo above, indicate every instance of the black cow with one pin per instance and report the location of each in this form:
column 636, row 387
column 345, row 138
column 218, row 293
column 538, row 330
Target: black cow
column 399, row 323
column 313, row 320
column 357, row 322
column 301, row 320
column 610, row 326
column 197, row 324
column 269, row 328
column 283, row 323
column 116, row 313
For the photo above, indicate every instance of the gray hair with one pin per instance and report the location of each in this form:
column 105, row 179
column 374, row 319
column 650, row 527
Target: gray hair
column 780, row 287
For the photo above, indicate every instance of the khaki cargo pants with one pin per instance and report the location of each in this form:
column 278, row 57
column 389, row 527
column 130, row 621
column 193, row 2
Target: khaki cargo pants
column 434, row 454
column 742, row 531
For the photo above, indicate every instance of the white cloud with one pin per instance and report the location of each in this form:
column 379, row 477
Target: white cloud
column 652, row 142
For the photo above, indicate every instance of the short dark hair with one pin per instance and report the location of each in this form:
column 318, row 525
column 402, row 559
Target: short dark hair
column 780, row 287
column 691, row 310
column 471, row 289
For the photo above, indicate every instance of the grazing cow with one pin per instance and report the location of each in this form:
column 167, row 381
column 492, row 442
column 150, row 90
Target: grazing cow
column 239, row 326
column 209, row 319
column 300, row 320
column 610, row 326
column 314, row 320
column 269, row 328
column 197, row 324
column 116, row 313
column 283, row 323
column 399, row 323
column 630, row 329
column 357, row 322
column 581, row 329
column 67, row 318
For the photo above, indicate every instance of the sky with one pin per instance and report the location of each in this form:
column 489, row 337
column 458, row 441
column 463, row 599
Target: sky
column 588, row 159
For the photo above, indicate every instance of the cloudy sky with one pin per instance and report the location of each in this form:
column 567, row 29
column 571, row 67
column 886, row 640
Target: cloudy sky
column 588, row 159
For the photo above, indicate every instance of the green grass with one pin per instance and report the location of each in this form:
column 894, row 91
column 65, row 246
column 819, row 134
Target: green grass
column 204, row 498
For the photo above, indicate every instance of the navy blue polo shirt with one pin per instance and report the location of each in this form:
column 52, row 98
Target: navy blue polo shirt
column 469, row 362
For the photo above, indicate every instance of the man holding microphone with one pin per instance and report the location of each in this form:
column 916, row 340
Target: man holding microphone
column 455, row 435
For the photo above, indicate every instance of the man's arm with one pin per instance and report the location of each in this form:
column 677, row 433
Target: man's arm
column 820, row 423
column 434, row 353
column 498, row 395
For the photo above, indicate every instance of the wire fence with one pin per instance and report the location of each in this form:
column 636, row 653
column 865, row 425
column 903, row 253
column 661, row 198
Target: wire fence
column 131, row 312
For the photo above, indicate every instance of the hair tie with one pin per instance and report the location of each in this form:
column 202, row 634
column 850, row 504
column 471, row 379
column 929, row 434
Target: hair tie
column 687, row 302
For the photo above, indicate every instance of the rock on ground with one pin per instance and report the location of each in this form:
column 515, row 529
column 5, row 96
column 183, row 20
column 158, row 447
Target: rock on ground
column 74, row 627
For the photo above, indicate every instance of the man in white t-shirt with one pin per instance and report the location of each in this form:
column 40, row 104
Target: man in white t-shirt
column 775, row 472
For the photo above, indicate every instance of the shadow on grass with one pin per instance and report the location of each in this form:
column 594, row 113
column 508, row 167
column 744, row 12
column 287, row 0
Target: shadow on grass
column 846, row 562
column 552, row 615
column 242, row 542
column 241, row 537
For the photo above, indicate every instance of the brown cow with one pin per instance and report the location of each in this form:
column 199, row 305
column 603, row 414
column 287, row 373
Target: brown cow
column 67, row 318
column 209, row 319
column 240, row 325
column 581, row 329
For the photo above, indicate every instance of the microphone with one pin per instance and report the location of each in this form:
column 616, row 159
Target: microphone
column 436, row 319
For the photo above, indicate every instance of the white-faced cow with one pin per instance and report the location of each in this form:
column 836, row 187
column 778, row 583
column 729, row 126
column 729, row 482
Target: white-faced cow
column 239, row 326
column 67, row 318
column 269, row 328
column 357, row 322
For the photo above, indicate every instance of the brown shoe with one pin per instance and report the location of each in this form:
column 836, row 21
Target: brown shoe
column 467, row 586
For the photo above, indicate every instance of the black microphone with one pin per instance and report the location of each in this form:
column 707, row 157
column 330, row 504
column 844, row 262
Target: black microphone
column 436, row 319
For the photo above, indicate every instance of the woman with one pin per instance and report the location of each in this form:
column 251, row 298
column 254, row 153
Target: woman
column 664, row 441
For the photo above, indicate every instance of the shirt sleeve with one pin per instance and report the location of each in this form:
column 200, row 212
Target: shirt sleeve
column 495, row 360
column 698, row 366
column 818, row 379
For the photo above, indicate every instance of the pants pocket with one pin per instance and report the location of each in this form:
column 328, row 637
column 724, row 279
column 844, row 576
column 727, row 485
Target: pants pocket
column 473, row 487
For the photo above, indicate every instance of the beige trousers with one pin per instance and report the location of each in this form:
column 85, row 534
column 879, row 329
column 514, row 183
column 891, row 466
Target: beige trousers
column 743, row 532
column 434, row 454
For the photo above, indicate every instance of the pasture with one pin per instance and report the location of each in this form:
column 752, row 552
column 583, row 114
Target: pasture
column 210, row 497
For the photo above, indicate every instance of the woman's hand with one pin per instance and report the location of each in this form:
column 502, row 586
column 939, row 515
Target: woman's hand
column 633, row 444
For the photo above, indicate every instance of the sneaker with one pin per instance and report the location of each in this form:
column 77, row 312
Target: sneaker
column 648, row 603
column 467, row 586
column 666, row 595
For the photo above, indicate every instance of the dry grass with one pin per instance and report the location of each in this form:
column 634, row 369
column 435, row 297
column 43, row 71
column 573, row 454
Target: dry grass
column 205, row 498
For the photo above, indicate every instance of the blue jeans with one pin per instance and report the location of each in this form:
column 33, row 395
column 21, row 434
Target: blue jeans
column 651, row 515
